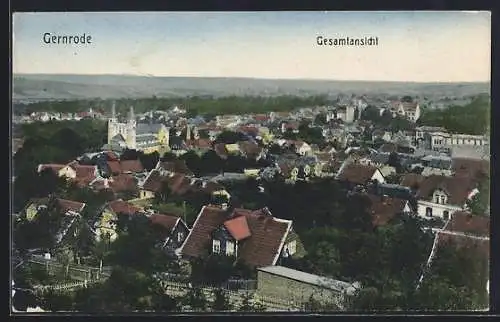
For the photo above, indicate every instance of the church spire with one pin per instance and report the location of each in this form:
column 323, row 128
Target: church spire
column 113, row 110
column 131, row 113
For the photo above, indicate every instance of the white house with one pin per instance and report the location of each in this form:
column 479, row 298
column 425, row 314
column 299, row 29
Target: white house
column 440, row 196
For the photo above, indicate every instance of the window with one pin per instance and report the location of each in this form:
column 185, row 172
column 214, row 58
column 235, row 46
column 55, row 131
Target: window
column 216, row 246
column 446, row 215
column 291, row 247
column 443, row 199
column 428, row 212
column 229, row 248
column 180, row 235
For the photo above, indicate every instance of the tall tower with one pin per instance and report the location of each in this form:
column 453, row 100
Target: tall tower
column 349, row 114
column 112, row 124
column 131, row 130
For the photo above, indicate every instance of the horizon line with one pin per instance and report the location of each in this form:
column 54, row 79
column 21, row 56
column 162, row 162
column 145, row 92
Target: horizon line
column 257, row 78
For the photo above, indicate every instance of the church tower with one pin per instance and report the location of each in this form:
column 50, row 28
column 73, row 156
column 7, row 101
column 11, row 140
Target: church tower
column 112, row 124
column 131, row 130
column 349, row 114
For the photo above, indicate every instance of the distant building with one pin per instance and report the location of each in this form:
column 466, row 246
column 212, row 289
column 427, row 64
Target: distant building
column 130, row 135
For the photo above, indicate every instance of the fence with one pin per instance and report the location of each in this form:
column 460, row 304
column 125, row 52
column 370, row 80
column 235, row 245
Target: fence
column 229, row 285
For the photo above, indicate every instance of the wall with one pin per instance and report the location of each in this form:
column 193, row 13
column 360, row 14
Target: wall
column 287, row 289
column 379, row 177
column 106, row 226
column 437, row 209
column 145, row 194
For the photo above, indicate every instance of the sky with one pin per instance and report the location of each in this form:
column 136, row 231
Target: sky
column 412, row 46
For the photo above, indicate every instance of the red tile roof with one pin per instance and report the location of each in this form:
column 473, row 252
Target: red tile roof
column 123, row 207
column 177, row 166
column 199, row 143
column 412, row 180
column 69, row 205
column 467, row 223
column 114, row 166
column 134, row 166
column 238, row 228
column 168, row 222
column 383, row 208
column 258, row 250
column 357, row 173
column 122, row 182
column 470, row 167
column 249, row 148
column 457, row 188
column 154, row 181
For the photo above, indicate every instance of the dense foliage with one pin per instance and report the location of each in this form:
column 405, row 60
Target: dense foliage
column 195, row 105
column 473, row 118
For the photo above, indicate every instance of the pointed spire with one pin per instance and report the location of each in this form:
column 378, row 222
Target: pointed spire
column 113, row 110
column 131, row 115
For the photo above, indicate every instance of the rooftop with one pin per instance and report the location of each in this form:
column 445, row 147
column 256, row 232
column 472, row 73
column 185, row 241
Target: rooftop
column 308, row 278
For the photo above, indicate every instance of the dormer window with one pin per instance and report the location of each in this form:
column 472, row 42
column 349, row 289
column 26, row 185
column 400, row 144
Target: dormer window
column 180, row 235
column 216, row 246
column 229, row 248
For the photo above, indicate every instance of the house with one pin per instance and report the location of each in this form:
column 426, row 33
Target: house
column 439, row 196
column 122, row 185
column 297, row 287
column 464, row 222
column 470, row 167
column 68, row 211
column 255, row 237
column 199, row 145
column 116, row 167
column 176, row 166
column 179, row 184
column 174, row 228
column 290, row 126
column 105, row 223
column 302, row 148
column 384, row 208
column 381, row 135
column 82, row 175
column 251, row 150
column 358, row 174
column 221, row 150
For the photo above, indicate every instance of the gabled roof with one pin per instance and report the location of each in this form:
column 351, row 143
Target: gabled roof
column 411, row 180
column 457, row 188
column 123, row 207
column 166, row 222
column 467, row 223
column 470, row 167
column 122, row 182
column 177, row 166
column 154, row 181
column 357, row 173
column 134, row 166
column 70, row 205
column 260, row 249
column 384, row 208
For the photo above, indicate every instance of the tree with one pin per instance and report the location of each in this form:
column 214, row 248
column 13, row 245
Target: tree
column 56, row 301
column 196, row 299
column 320, row 119
column 221, row 301
column 229, row 137
column 394, row 161
column 248, row 304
